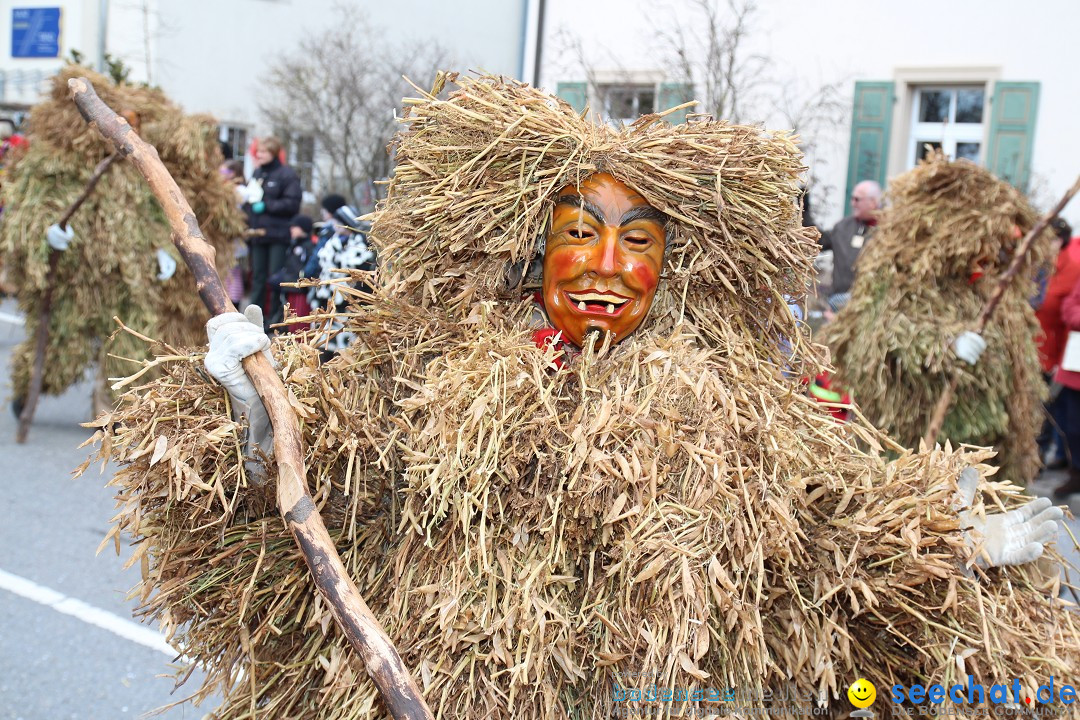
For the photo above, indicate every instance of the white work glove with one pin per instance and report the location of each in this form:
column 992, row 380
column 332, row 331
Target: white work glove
column 252, row 192
column 234, row 336
column 58, row 237
column 1009, row 538
column 166, row 265
column 968, row 346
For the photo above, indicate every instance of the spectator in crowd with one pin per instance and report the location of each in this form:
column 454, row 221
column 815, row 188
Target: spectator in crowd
column 272, row 200
column 1066, row 406
column 804, row 205
column 847, row 238
column 232, row 171
column 1051, row 341
column 347, row 249
column 302, row 245
column 330, row 205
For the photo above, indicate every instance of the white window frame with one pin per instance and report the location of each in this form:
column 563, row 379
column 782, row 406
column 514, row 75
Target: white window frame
column 950, row 132
column 907, row 78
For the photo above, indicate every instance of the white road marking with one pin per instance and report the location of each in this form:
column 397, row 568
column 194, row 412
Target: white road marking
column 13, row 319
column 87, row 613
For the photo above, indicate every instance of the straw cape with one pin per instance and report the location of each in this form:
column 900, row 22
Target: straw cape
column 110, row 269
column 670, row 513
column 916, row 291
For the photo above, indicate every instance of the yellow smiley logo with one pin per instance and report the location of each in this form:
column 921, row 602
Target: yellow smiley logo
column 862, row 693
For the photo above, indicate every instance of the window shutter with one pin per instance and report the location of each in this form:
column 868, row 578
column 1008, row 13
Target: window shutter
column 871, row 122
column 575, row 93
column 672, row 94
column 1012, row 131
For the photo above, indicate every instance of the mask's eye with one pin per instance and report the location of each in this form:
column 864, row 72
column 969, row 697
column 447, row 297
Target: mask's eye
column 638, row 242
column 580, row 233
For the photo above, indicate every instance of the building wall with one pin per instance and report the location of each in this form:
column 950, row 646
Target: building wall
column 842, row 41
column 24, row 77
column 209, row 55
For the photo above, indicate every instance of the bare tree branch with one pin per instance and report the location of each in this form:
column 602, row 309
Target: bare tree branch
column 708, row 52
column 341, row 88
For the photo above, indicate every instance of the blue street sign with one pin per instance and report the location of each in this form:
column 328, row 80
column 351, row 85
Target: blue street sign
column 35, row 32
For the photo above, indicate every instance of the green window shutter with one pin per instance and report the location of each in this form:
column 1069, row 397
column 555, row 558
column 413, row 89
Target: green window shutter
column 575, row 93
column 672, row 94
column 1012, row 131
column 871, row 122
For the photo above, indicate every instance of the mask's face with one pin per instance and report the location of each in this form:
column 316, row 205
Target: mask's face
column 603, row 259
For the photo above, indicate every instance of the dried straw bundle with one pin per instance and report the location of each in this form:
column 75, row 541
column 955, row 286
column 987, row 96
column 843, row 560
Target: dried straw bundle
column 669, row 511
column 473, row 187
column 111, row 268
column 914, row 294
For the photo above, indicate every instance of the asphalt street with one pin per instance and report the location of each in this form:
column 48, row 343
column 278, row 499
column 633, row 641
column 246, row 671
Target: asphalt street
column 68, row 645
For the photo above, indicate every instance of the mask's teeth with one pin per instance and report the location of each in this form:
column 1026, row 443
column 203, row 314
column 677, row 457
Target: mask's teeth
column 610, row 308
column 581, row 305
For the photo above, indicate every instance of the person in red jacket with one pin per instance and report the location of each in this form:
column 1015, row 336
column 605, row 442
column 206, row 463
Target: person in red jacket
column 1051, row 342
column 1051, row 339
column 1062, row 316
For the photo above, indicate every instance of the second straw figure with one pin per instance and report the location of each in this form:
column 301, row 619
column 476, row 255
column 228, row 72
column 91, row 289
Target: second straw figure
column 118, row 260
column 947, row 235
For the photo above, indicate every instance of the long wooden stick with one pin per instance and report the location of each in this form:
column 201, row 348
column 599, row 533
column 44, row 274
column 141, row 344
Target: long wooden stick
column 399, row 691
column 937, row 419
column 41, row 336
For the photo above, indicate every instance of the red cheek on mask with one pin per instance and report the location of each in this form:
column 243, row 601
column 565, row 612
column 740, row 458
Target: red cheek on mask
column 645, row 276
column 564, row 262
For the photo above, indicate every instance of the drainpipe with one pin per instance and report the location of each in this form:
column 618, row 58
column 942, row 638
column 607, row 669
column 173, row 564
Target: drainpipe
column 103, row 26
column 532, row 37
column 539, row 43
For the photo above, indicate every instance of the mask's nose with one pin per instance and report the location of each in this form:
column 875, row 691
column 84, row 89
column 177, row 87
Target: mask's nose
column 608, row 264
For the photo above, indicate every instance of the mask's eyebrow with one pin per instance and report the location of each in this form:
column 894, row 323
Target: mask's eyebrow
column 645, row 212
column 580, row 202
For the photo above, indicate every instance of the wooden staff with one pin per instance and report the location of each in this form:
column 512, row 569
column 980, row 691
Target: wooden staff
column 384, row 665
column 937, row 420
column 41, row 336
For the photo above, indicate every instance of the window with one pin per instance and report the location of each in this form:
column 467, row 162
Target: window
column 302, row 158
column 236, row 137
column 626, row 103
column 949, row 119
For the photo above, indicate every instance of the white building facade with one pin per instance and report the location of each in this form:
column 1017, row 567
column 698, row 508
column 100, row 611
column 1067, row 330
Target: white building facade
column 980, row 79
column 211, row 56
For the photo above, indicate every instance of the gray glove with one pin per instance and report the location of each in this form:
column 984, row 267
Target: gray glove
column 1010, row 538
column 234, row 336
column 58, row 237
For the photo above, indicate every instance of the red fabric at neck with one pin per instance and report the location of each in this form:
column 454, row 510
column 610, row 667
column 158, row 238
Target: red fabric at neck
column 550, row 337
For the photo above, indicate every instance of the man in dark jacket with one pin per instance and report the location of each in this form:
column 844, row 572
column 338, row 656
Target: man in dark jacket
column 273, row 199
column 846, row 240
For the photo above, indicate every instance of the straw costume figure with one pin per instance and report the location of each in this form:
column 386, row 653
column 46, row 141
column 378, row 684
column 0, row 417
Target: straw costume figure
column 118, row 261
column 559, row 506
column 948, row 234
